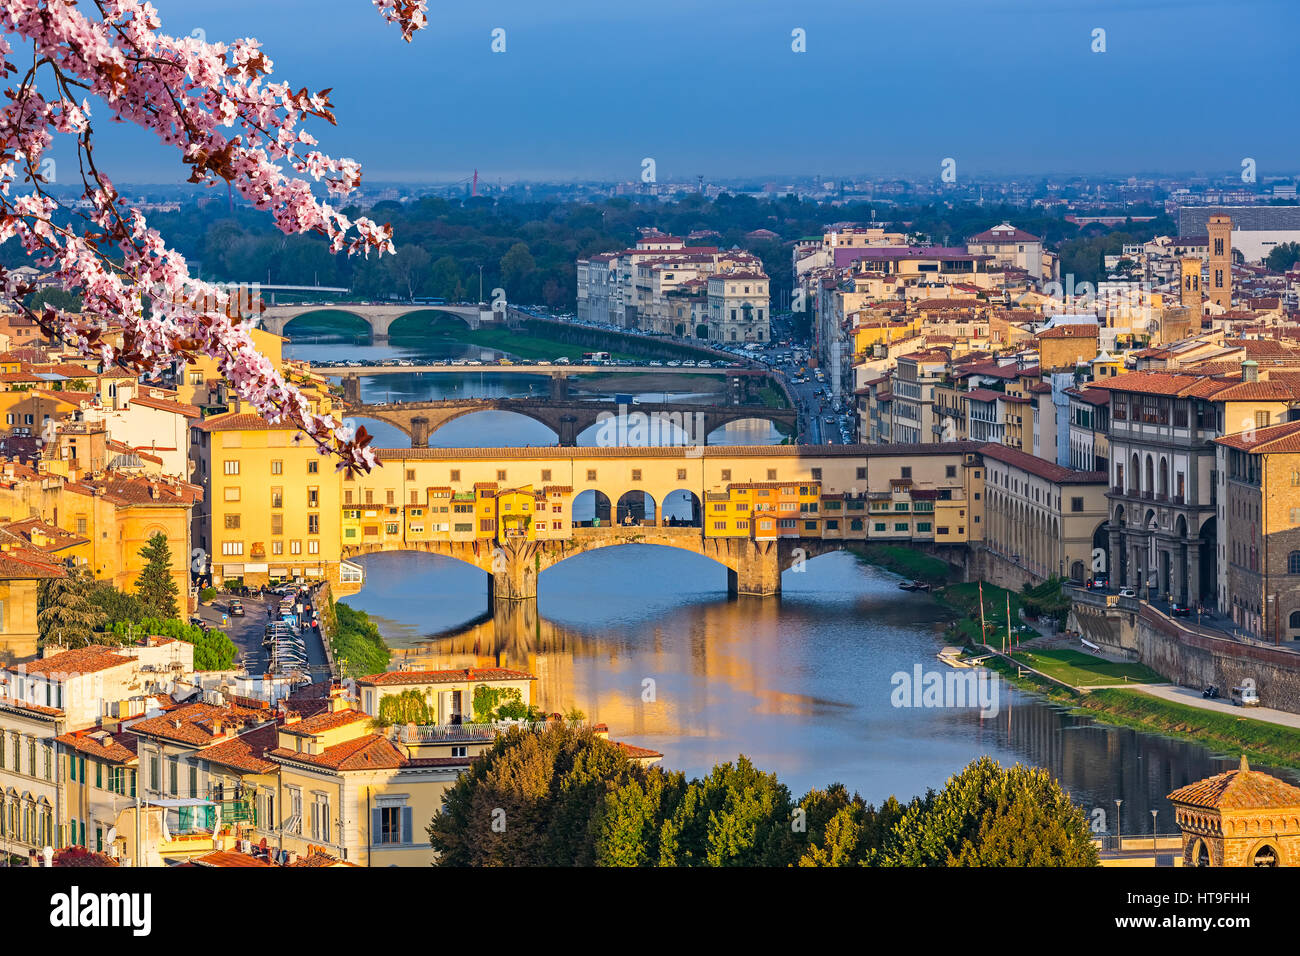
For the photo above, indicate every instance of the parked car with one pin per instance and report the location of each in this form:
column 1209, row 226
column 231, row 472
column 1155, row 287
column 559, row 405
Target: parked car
column 1127, row 592
column 1211, row 693
column 1245, row 696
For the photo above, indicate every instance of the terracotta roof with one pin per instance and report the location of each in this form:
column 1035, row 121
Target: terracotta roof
column 30, row 527
column 1089, row 396
column 101, row 745
column 139, row 490
column 318, row 858
column 81, row 660
column 163, row 405
column 636, row 753
column 1048, row 470
column 444, row 677
column 1272, row 439
column 15, row 704
column 196, row 723
column 229, row 858
column 369, row 752
column 244, row 753
column 1240, row 789
column 327, row 720
column 240, row 421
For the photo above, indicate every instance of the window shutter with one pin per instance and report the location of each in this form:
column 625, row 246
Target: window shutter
column 376, row 827
column 407, row 835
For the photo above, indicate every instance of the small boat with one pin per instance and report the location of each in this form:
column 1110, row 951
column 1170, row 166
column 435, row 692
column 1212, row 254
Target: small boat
column 908, row 586
column 952, row 657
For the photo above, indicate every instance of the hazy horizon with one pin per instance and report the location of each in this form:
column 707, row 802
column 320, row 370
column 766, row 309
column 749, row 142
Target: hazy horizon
column 586, row 90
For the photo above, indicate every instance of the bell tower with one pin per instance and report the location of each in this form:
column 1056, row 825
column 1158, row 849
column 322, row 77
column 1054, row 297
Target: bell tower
column 1190, row 286
column 1220, row 277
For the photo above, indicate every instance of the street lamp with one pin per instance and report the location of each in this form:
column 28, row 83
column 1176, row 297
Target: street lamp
column 1153, row 830
column 1118, row 804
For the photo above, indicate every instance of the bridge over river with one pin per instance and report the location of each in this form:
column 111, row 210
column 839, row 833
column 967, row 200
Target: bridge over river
column 658, row 422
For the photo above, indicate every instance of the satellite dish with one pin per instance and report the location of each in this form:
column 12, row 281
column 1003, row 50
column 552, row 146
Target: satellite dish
column 112, row 835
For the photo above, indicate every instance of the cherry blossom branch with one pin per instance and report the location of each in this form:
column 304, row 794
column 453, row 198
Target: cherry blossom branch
column 189, row 93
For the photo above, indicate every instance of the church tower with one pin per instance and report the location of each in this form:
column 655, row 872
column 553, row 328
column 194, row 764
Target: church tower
column 1220, row 278
column 1190, row 298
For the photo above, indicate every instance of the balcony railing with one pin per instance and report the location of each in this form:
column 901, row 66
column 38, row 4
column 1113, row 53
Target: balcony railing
column 455, row 733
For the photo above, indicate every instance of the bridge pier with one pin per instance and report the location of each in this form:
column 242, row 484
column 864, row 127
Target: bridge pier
column 559, row 387
column 515, row 567
column 419, row 432
column 568, row 431
column 756, row 567
column 351, row 389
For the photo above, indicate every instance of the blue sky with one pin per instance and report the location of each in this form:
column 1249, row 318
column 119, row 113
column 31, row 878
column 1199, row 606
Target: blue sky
column 587, row 88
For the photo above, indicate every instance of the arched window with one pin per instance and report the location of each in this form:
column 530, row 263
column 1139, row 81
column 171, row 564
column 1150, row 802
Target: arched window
column 1293, row 563
column 1265, row 856
column 1295, row 620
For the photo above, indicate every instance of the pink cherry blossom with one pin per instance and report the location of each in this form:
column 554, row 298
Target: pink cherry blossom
column 215, row 104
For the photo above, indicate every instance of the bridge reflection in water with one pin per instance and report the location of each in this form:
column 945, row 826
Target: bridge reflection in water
column 800, row 684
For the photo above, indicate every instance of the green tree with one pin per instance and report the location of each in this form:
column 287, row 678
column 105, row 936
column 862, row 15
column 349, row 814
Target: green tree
column 155, row 586
column 357, row 641
column 445, row 280
column 632, row 815
column 408, row 707
column 408, row 269
column 65, row 613
column 532, row 799
column 736, row 816
column 844, row 830
column 116, row 604
column 1283, row 256
column 991, row 816
column 213, row 649
column 517, row 268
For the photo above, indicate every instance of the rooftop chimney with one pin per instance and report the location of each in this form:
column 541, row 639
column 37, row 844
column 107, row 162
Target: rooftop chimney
column 1250, row 371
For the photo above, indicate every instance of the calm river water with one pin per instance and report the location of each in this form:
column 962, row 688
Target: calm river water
column 801, row 684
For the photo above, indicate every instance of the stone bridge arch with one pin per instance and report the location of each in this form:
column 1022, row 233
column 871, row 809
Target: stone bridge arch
column 378, row 317
column 514, row 566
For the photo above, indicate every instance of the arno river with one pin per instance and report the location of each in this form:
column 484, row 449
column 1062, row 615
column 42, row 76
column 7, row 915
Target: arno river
column 801, row 684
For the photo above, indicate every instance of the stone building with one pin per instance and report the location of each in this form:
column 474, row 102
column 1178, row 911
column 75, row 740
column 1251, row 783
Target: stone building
column 1260, row 561
column 1239, row 818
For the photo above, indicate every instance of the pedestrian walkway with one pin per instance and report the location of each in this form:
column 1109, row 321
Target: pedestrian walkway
column 1193, row 698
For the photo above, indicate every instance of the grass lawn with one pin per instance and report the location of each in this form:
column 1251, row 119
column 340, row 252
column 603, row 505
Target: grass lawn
column 964, row 597
column 1227, row 733
column 1084, row 670
column 907, row 561
column 1222, row 733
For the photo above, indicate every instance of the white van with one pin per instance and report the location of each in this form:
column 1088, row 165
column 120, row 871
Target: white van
column 1245, row 696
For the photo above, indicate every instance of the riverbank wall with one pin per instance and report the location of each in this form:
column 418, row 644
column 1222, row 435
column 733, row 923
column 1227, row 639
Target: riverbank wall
column 1189, row 655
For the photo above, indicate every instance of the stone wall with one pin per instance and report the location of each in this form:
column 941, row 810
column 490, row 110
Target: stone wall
column 993, row 568
column 1196, row 658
